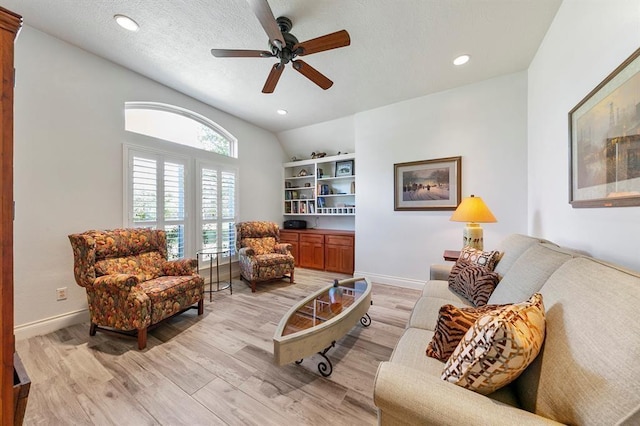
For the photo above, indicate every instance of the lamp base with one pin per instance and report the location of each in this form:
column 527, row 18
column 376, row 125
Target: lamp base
column 472, row 236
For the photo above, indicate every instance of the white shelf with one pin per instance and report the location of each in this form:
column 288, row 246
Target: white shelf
column 341, row 186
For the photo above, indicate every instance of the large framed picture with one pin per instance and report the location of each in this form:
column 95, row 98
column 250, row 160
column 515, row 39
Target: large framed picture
column 428, row 184
column 604, row 139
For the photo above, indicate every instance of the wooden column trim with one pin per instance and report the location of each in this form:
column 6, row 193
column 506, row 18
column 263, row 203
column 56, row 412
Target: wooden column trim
column 10, row 24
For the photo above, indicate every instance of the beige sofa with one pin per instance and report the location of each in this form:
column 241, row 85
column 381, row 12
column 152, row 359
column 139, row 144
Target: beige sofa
column 588, row 372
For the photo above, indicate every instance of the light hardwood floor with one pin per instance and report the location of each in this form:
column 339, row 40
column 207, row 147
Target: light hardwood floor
column 214, row 369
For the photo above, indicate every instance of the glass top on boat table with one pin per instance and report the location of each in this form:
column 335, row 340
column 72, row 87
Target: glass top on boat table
column 328, row 304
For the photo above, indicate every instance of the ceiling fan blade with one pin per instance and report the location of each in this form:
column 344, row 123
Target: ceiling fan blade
column 237, row 53
column 272, row 79
column 326, row 42
column 263, row 12
column 312, row 74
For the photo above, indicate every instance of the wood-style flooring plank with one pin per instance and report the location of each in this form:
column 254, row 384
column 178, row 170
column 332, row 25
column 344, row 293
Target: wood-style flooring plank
column 217, row 368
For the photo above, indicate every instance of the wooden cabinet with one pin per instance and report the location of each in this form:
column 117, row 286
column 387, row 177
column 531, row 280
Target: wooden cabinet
column 338, row 253
column 9, row 25
column 290, row 237
column 324, row 249
column 312, row 251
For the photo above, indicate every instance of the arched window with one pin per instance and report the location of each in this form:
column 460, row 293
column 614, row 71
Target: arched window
column 179, row 125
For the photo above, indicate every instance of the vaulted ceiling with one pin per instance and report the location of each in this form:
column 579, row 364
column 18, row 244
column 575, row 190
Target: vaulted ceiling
column 400, row 49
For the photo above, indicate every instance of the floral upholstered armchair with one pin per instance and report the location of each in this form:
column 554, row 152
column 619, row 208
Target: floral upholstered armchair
column 260, row 254
column 129, row 282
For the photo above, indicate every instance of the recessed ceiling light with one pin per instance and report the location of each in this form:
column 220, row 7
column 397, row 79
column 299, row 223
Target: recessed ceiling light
column 126, row 22
column 461, row 60
column 282, row 112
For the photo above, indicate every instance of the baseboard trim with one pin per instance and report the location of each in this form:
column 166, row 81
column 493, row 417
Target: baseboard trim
column 51, row 324
column 390, row 280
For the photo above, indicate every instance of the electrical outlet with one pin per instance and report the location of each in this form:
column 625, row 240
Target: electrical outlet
column 61, row 293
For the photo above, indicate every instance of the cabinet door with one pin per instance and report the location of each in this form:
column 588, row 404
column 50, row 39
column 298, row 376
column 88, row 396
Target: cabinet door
column 311, row 251
column 339, row 254
column 291, row 237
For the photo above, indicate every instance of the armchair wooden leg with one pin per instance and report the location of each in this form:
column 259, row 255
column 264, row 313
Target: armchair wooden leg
column 253, row 286
column 142, row 338
column 201, row 307
column 291, row 277
column 92, row 329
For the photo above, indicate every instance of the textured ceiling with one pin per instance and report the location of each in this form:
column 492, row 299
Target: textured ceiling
column 400, row 49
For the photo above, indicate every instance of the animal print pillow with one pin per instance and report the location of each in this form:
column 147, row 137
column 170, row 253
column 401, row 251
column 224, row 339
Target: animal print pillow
column 452, row 324
column 474, row 283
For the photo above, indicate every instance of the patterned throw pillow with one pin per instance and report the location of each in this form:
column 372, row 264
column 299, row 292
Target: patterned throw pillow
column 498, row 347
column 479, row 257
column 474, row 283
column 452, row 325
column 260, row 245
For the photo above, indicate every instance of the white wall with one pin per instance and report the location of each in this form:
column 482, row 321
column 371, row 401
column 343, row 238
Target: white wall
column 485, row 123
column 586, row 41
column 69, row 131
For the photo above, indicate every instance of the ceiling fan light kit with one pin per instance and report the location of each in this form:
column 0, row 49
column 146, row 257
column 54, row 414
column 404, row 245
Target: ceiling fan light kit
column 285, row 47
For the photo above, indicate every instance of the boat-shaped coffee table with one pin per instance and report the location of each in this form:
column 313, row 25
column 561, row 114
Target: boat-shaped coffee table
column 315, row 324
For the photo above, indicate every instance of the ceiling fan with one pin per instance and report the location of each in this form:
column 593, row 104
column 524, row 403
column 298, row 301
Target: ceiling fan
column 285, row 47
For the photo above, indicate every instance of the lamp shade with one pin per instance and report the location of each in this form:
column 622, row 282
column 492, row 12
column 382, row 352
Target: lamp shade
column 473, row 209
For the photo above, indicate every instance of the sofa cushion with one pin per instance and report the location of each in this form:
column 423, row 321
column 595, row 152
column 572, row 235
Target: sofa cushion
column 474, row 283
column 146, row 266
column 479, row 257
column 529, row 272
column 453, row 323
column 260, row 246
column 588, row 372
column 171, row 294
column 425, row 312
column 498, row 347
column 512, row 248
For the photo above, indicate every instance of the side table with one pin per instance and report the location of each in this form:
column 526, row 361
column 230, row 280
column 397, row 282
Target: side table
column 451, row 255
column 215, row 253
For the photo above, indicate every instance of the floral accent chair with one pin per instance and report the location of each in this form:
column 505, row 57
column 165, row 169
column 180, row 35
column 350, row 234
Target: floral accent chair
column 261, row 255
column 130, row 283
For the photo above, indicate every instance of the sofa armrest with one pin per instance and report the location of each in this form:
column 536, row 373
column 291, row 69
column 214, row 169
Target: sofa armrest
column 440, row 272
column 179, row 267
column 118, row 301
column 416, row 397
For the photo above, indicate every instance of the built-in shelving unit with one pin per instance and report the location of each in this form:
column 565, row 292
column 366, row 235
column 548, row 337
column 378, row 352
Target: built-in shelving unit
column 320, row 187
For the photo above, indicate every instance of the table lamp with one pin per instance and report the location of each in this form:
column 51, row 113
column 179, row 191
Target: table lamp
column 473, row 211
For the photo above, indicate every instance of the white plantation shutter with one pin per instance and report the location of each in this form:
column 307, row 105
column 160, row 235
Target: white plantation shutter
column 158, row 197
column 218, row 207
column 209, row 190
column 174, row 208
column 209, row 194
column 145, row 190
column 228, row 189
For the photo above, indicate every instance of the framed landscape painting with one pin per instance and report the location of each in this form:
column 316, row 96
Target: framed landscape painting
column 428, row 184
column 604, row 139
